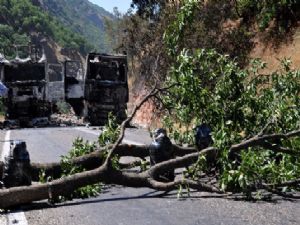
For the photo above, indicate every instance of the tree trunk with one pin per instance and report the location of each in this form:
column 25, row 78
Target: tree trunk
column 105, row 173
column 96, row 159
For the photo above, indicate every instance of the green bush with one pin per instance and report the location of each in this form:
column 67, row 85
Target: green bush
column 63, row 107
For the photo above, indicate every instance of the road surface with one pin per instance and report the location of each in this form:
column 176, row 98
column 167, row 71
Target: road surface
column 128, row 206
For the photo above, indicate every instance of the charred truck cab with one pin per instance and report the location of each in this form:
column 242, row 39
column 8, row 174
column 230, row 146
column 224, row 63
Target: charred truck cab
column 33, row 85
column 105, row 87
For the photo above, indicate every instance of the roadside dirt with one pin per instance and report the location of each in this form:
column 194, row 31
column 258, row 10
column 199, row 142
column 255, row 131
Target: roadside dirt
column 272, row 55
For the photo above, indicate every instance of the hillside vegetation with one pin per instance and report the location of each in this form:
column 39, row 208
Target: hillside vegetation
column 232, row 27
column 83, row 18
column 22, row 20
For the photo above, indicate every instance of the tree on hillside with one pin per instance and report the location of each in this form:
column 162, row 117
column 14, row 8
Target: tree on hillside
column 115, row 31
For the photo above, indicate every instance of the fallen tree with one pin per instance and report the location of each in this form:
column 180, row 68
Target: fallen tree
column 101, row 169
column 104, row 172
column 95, row 159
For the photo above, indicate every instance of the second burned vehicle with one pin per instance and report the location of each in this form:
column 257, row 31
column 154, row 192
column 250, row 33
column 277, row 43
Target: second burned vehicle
column 35, row 86
column 105, row 87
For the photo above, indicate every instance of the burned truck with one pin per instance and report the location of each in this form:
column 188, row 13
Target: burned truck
column 33, row 85
column 105, row 87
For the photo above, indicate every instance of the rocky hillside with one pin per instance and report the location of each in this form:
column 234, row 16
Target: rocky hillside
column 82, row 17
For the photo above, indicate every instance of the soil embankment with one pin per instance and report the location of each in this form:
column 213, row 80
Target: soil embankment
column 288, row 48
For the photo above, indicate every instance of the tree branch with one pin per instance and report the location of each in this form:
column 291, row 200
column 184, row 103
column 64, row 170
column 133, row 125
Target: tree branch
column 289, row 183
column 190, row 183
column 63, row 186
column 95, row 159
column 126, row 122
column 259, row 140
column 181, row 162
column 279, row 149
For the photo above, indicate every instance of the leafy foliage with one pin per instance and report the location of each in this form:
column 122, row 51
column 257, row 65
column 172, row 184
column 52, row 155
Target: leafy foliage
column 80, row 148
column 63, row 107
column 237, row 104
column 114, row 31
column 109, row 135
column 9, row 37
column 209, row 27
column 110, row 132
column 148, row 8
column 175, row 31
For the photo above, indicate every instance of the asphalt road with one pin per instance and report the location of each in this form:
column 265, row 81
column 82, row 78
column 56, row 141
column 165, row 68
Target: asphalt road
column 128, row 206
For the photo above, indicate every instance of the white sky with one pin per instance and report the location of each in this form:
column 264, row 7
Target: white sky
column 123, row 5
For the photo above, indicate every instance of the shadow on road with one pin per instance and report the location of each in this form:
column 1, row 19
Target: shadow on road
column 152, row 195
column 149, row 195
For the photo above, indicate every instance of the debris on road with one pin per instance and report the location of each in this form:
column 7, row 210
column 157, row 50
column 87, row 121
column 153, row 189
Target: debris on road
column 66, row 120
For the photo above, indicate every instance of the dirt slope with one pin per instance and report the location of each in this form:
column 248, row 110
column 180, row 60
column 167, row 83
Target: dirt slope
column 287, row 49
